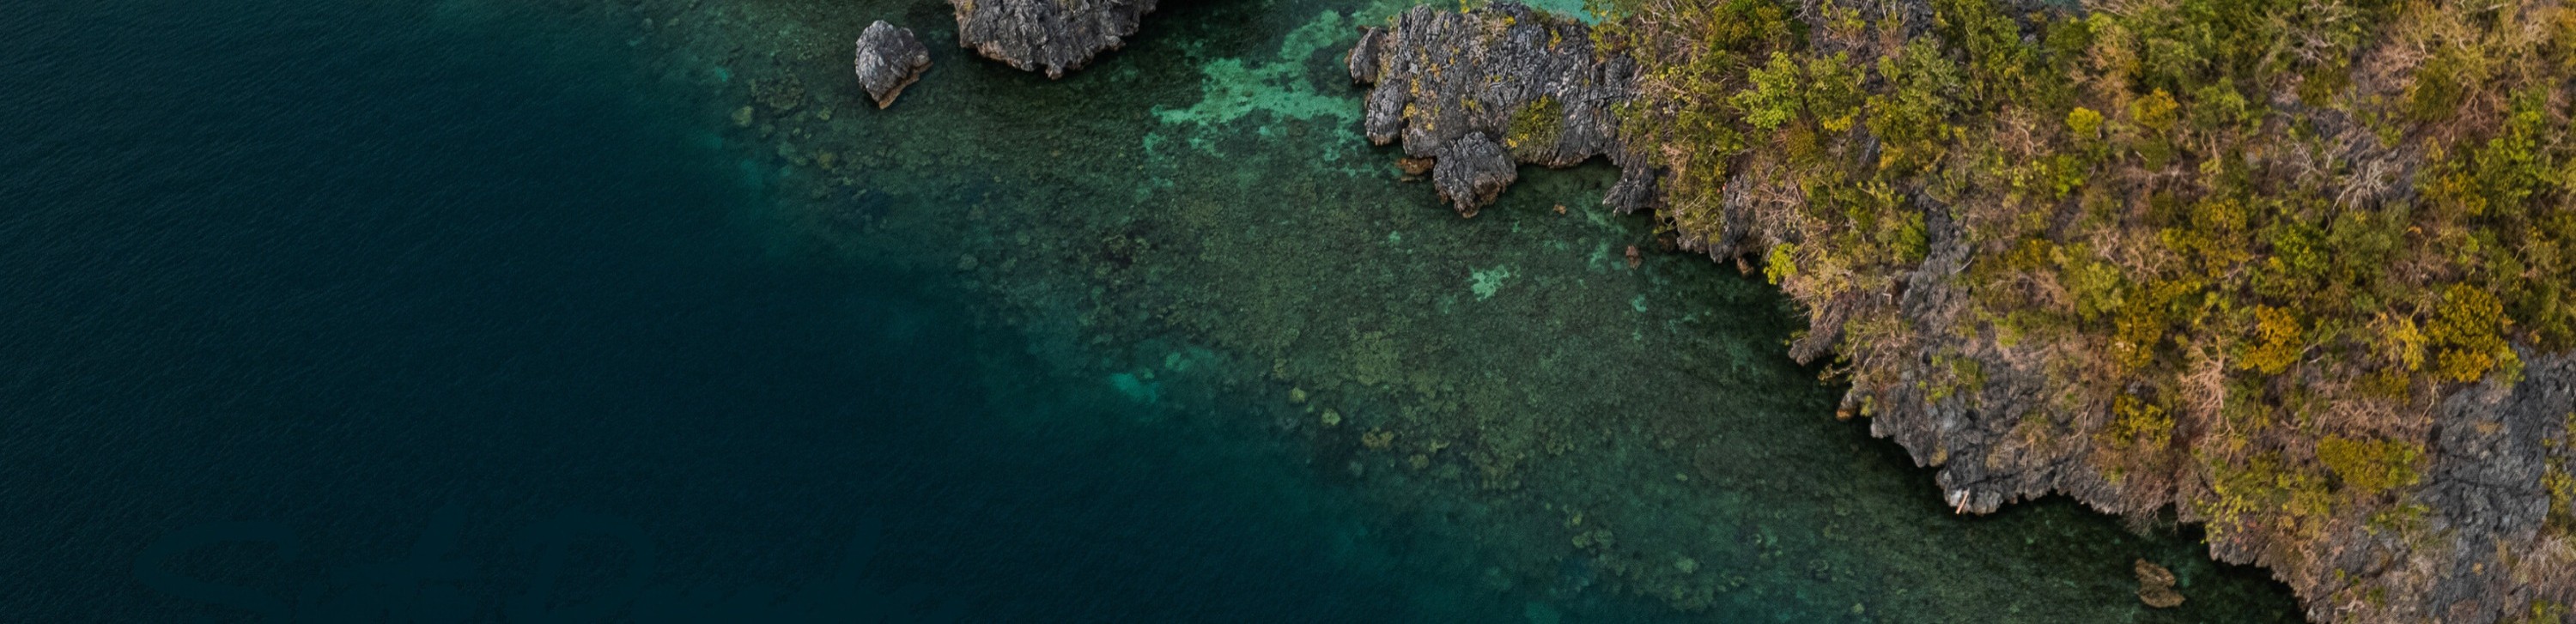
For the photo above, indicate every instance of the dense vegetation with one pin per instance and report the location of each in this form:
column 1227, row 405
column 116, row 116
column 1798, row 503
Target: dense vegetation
column 2246, row 245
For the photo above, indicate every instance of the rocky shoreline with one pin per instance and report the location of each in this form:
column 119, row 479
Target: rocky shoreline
column 1464, row 88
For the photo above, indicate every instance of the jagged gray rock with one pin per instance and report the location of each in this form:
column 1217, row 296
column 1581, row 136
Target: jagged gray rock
column 1526, row 84
column 889, row 60
column 2494, row 446
column 1470, row 171
column 1051, row 36
column 2483, row 492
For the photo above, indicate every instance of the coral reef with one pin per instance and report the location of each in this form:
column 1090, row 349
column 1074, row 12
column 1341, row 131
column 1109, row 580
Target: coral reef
column 780, row 94
column 1483, row 90
column 889, row 60
column 1050, row 36
column 1216, row 196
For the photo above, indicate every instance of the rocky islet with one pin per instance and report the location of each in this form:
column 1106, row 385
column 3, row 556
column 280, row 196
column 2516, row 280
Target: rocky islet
column 889, row 59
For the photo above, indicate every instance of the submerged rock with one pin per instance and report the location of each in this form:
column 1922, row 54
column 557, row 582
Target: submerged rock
column 1051, row 36
column 2156, row 585
column 1483, row 90
column 780, row 93
column 889, row 60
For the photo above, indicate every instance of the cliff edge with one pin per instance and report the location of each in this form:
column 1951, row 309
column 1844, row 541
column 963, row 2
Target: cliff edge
column 2301, row 272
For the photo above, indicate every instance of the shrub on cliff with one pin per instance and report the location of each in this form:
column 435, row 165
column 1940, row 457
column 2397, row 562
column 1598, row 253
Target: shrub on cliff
column 2239, row 251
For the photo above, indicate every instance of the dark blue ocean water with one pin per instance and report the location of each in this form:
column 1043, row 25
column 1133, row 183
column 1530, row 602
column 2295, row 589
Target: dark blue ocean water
column 329, row 311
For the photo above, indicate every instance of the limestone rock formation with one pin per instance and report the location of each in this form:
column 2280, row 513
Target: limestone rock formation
column 889, row 60
column 2478, row 533
column 1051, row 36
column 1483, row 90
column 2483, row 495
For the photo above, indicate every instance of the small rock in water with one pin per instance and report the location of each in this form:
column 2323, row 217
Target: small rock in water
column 2155, row 585
column 889, row 60
column 742, row 117
column 1485, row 89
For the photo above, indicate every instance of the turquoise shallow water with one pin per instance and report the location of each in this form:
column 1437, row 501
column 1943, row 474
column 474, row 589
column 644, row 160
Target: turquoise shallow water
column 490, row 312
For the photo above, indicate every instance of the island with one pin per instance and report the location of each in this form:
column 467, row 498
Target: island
column 2297, row 271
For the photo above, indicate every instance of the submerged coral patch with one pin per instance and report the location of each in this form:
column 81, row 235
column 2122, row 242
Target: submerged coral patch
column 1487, row 281
column 1280, row 85
column 1136, row 388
